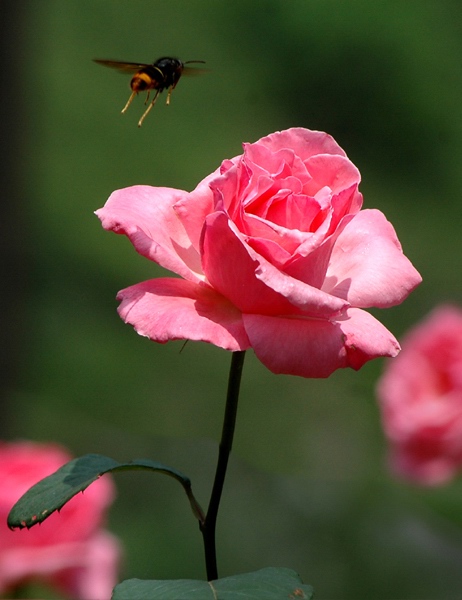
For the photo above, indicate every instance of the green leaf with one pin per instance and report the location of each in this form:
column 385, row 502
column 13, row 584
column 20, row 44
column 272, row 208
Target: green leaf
column 54, row 491
column 270, row 584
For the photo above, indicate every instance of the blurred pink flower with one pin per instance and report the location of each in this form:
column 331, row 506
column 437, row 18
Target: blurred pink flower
column 420, row 395
column 273, row 253
column 69, row 550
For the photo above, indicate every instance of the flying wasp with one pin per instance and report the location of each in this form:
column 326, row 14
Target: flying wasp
column 162, row 74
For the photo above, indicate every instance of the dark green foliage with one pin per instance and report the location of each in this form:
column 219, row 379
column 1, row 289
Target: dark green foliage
column 52, row 492
column 270, row 584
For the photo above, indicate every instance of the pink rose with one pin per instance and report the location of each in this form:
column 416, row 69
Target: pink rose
column 69, row 550
column 273, row 254
column 421, row 400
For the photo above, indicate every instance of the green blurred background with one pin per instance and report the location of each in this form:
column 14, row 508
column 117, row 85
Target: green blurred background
column 308, row 486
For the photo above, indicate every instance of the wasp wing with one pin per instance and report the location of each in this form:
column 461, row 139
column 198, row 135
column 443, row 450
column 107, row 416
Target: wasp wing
column 122, row 67
column 188, row 71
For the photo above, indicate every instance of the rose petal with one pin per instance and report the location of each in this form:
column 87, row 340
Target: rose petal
column 335, row 172
column 278, row 165
column 366, row 338
column 311, row 300
column 231, row 270
column 311, row 261
column 424, row 470
column 95, row 573
column 174, row 309
column 194, row 207
column 304, row 347
column 368, row 267
column 83, row 569
column 303, row 142
column 146, row 216
column 226, row 188
column 316, row 348
column 293, row 212
column 251, row 283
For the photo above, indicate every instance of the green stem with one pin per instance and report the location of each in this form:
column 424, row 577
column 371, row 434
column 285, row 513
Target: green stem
column 209, row 525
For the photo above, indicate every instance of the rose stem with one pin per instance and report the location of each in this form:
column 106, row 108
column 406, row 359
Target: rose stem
column 229, row 422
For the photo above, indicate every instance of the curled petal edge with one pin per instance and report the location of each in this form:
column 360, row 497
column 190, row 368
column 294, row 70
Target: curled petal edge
column 175, row 309
column 315, row 348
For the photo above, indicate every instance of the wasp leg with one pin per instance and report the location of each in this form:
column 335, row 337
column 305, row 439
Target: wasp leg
column 169, row 93
column 129, row 102
column 146, row 112
column 147, row 97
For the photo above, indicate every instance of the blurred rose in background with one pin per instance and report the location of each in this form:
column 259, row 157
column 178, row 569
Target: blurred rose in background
column 420, row 395
column 69, row 551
